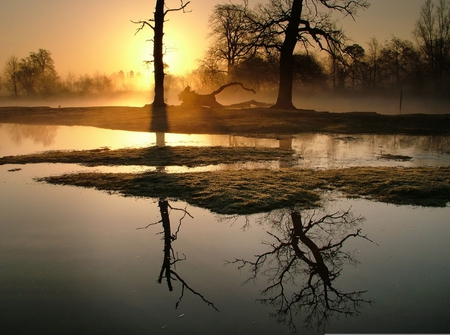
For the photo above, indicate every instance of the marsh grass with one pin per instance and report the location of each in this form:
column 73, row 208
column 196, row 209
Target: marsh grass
column 245, row 191
column 155, row 156
column 256, row 191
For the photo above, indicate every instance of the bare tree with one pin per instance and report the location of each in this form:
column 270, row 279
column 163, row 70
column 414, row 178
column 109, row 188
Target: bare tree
column 11, row 75
column 432, row 33
column 37, row 73
column 304, row 258
column 282, row 24
column 232, row 36
column 399, row 62
column 157, row 25
column 170, row 257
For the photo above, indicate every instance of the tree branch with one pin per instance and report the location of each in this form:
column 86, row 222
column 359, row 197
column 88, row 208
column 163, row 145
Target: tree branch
column 185, row 285
column 143, row 23
column 182, row 7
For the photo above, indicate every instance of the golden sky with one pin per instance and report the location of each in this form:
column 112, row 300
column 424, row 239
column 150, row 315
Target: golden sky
column 86, row 36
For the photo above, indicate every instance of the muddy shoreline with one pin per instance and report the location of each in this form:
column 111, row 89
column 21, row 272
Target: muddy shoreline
column 253, row 121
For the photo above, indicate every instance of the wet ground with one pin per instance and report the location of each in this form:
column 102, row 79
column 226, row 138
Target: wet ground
column 258, row 122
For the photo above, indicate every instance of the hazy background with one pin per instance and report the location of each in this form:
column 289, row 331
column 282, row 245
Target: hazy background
column 97, row 39
column 85, row 36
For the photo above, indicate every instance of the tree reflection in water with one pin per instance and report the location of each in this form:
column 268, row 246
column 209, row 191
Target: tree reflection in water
column 170, row 256
column 307, row 253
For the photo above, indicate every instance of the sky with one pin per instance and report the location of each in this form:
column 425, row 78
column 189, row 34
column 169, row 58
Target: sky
column 97, row 36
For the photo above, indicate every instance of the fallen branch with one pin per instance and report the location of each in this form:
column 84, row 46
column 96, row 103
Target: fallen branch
column 192, row 99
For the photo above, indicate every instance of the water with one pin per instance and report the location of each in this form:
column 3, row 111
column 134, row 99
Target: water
column 311, row 150
column 73, row 261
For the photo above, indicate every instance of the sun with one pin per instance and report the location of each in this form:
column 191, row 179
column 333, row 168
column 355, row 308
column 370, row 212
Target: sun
column 181, row 51
column 177, row 56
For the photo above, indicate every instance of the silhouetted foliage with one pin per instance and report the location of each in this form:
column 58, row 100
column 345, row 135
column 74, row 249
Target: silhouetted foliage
column 232, row 36
column 37, row 74
column 432, row 34
column 308, row 71
column 394, row 64
column 249, row 45
column 258, row 72
column 11, row 75
column 208, row 74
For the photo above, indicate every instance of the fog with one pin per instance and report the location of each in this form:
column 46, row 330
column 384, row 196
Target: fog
column 388, row 105
column 307, row 99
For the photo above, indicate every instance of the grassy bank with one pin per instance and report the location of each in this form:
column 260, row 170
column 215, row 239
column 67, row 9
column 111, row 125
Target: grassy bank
column 252, row 121
column 238, row 191
column 254, row 191
column 155, row 156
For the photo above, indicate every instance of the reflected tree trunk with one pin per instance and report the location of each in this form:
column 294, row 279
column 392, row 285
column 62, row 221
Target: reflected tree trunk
column 170, row 257
column 307, row 252
column 166, row 267
column 160, row 139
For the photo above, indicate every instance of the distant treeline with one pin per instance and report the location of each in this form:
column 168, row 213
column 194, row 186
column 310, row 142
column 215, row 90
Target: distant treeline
column 421, row 67
column 36, row 76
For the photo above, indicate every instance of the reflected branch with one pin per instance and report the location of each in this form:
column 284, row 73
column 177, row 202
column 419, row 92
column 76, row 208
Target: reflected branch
column 185, row 285
column 170, row 256
column 307, row 252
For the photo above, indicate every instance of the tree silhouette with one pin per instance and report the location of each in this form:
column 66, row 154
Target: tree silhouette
column 157, row 25
column 11, row 75
column 305, row 21
column 301, row 264
column 170, row 257
column 36, row 73
column 232, row 36
column 432, row 33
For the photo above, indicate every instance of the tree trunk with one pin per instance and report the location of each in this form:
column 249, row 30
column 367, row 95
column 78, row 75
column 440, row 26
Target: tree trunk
column 319, row 264
column 158, row 54
column 165, row 269
column 284, row 100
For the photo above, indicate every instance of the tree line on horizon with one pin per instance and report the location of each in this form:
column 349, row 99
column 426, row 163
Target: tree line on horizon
column 421, row 66
column 242, row 50
column 36, row 76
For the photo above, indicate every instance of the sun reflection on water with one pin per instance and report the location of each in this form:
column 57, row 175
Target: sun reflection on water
column 316, row 151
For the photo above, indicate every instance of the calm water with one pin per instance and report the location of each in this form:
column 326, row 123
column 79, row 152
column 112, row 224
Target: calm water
column 312, row 150
column 72, row 261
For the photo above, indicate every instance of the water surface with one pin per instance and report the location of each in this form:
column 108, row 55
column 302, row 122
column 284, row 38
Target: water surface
column 311, row 150
column 73, row 261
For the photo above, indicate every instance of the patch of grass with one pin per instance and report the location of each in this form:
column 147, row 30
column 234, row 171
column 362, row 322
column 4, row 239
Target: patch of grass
column 244, row 191
column 154, row 156
column 423, row 186
column 255, row 191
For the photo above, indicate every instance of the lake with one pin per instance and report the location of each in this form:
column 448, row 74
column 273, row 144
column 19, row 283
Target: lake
column 80, row 261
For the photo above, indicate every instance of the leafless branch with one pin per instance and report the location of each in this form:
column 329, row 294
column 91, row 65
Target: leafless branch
column 182, row 7
column 185, row 285
column 143, row 23
column 308, row 251
column 150, row 224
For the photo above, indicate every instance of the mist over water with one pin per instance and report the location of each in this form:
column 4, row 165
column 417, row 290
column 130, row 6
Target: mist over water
column 318, row 101
column 389, row 105
column 132, row 99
